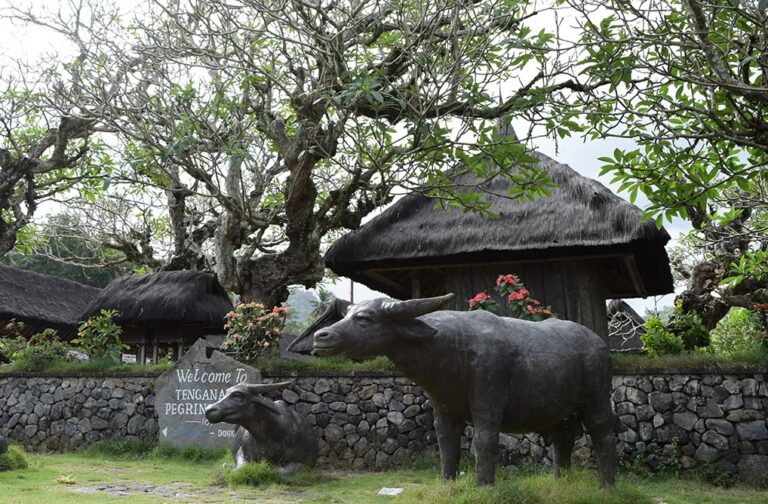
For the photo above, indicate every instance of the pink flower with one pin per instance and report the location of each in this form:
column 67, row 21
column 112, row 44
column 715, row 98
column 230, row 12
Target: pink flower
column 516, row 296
column 479, row 298
column 531, row 309
column 508, row 279
column 536, row 302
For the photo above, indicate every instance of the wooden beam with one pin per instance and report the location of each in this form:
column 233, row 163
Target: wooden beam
column 382, row 279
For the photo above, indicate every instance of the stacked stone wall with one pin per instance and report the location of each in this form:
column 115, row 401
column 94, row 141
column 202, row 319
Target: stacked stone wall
column 52, row 414
column 376, row 420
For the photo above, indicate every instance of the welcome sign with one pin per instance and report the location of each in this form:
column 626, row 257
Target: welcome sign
column 183, row 393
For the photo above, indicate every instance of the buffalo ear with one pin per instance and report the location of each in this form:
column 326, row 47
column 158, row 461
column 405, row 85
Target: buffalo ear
column 415, row 330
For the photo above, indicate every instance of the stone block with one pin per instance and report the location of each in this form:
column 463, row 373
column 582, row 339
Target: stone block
column 752, row 469
column 715, row 439
column 720, row 425
column 685, row 420
column 752, row 431
column 660, row 401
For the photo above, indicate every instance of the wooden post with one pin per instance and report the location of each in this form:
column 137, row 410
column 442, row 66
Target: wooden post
column 415, row 285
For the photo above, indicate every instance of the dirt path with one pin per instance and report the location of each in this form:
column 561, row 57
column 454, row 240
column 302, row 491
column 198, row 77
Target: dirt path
column 188, row 493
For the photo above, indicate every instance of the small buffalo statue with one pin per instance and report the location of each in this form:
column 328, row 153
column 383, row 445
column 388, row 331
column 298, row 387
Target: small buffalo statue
column 499, row 373
column 268, row 430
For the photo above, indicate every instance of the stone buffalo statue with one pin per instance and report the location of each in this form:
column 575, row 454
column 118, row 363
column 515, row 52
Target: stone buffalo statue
column 501, row 374
column 268, row 429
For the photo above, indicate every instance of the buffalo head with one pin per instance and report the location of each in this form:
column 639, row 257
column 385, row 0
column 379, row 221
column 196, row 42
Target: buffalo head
column 242, row 402
column 373, row 327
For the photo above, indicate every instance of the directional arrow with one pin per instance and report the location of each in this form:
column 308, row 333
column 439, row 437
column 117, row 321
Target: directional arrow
column 165, row 432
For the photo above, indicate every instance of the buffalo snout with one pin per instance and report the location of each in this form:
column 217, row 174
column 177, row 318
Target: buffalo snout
column 213, row 413
column 326, row 341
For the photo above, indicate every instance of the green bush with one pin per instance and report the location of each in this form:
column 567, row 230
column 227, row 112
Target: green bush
column 99, row 337
column 720, row 476
column 658, row 341
column 13, row 460
column 13, row 340
column 735, row 333
column 689, row 327
column 254, row 474
column 40, row 351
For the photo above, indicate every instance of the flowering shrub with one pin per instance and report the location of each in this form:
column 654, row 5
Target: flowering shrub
column 99, row 337
column 253, row 331
column 483, row 301
column 519, row 302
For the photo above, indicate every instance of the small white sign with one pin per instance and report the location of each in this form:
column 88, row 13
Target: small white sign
column 391, row 491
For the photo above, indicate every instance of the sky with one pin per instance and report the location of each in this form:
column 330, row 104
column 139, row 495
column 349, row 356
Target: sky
column 582, row 156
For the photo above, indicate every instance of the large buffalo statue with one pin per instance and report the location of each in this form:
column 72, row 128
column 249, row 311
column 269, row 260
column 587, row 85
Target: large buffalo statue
column 501, row 374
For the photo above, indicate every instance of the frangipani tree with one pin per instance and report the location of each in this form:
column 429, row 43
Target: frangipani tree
column 269, row 125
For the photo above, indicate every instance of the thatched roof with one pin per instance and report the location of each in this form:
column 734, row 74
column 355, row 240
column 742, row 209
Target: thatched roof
column 42, row 300
column 581, row 218
column 625, row 326
column 190, row 297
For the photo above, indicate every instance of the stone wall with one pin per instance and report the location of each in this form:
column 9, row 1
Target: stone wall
column 373, row 420
column 47, row 413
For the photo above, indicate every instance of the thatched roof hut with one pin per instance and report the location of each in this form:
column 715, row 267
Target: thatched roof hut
column 168, row 296
column 625, row 326
column 583, row 241
column 169, row 307
column 42, row 301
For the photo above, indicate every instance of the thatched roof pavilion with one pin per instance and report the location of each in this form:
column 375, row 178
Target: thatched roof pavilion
column 42, row 301
column 625, row 326
column 174, row 308
column 582, row 242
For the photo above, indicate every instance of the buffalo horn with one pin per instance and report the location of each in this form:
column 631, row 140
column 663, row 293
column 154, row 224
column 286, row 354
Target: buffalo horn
column 403, row 310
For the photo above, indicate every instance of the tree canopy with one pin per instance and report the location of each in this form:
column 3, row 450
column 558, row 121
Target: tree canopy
column 268, row 126
column 688, row 85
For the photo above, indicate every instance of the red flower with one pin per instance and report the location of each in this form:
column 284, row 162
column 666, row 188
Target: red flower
column 524, row 292
column 479, row 298
column 536, row 302
column 516, row 296
column 508, row 279
column 531, row 310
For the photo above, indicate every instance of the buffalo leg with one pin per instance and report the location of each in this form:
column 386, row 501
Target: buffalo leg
column 562, row 447
column 600, row 428
column 486, row 441
column 449, row 440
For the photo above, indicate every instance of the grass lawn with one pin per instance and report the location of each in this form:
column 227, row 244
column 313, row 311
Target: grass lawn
column 89, row 478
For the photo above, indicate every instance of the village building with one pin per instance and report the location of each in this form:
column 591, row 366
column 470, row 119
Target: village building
column 42, row 301
column 573, row 250
column 164, row 313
